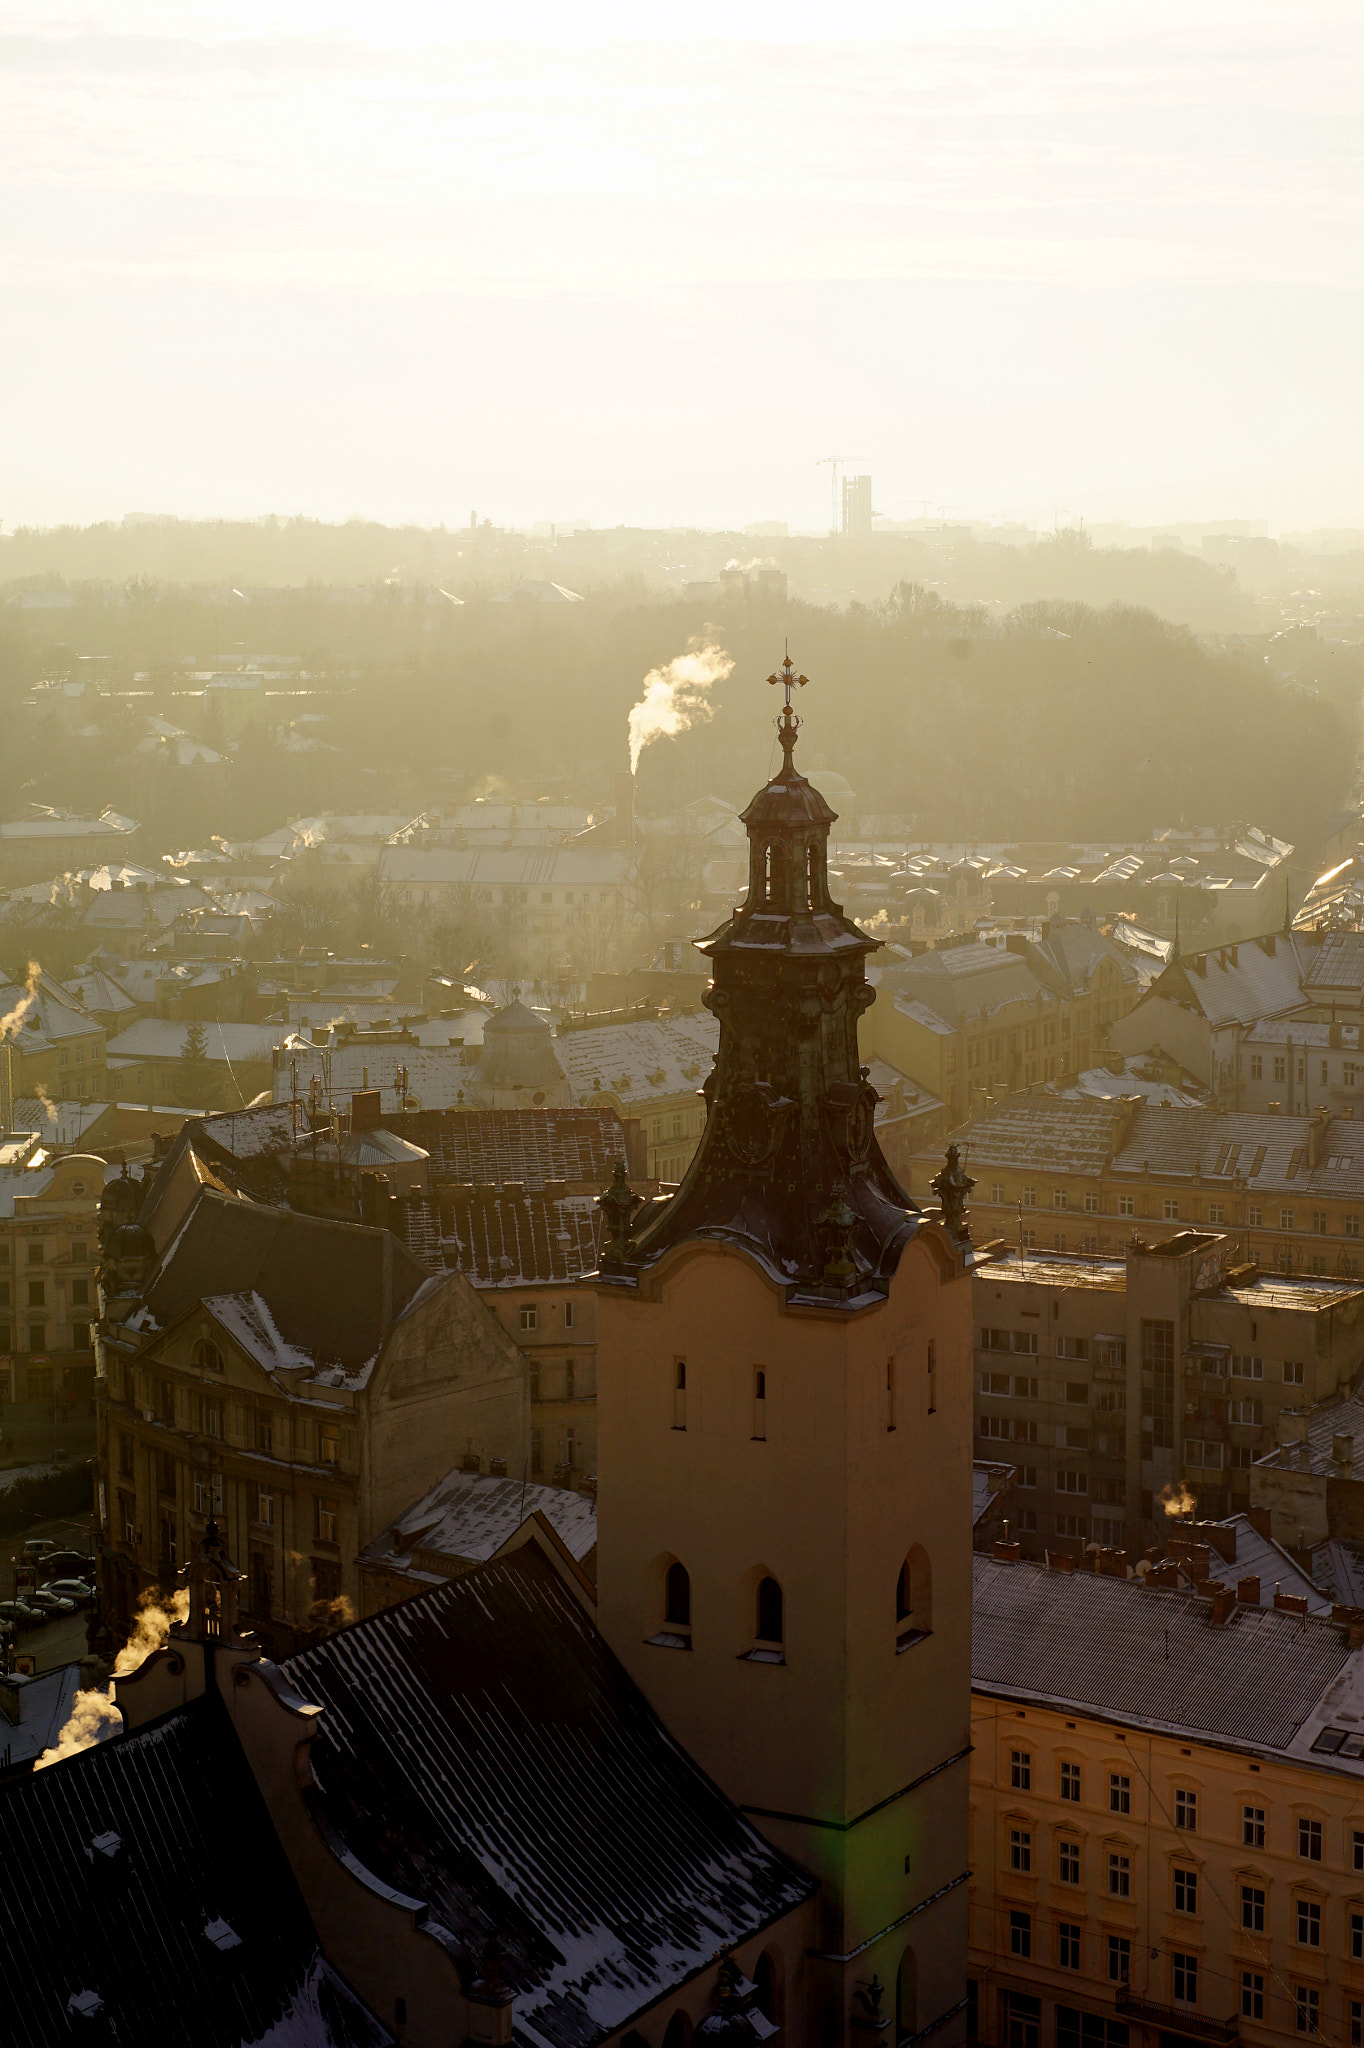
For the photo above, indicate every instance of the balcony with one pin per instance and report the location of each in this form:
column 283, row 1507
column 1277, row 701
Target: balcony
column 1176, row 2018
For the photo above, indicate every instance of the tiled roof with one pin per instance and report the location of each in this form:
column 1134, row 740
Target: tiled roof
column 122, row 1858
column 1156, row 1659
column 437, row 1075
column 501, row 1238
column 1238, row 983
column 1326, row 1426
column 1338, row 962
column 486, row 1147
column 542, row 1800
column 1052, row 1133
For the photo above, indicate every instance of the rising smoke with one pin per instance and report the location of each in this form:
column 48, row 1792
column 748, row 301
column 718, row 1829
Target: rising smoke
column 12, row 1019
column 677, row 697
column 1177, row 1501
column 92, row 1712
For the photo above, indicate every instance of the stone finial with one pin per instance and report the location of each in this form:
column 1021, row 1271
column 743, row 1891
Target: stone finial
column 953, row 1186
column 618, row 1204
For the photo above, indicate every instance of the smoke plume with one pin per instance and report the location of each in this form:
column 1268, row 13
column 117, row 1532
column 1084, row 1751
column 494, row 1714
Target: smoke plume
column 92, row 1712
column 1177, row 1500
column 677, row 697
column 12, row 1019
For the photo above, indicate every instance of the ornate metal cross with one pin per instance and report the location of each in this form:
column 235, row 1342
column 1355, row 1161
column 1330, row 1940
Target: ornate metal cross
column 788, row 724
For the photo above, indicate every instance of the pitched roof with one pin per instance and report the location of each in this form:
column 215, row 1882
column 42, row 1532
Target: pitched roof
column 1269, row 1153
column 1237, row 984
column 322, row 1281
column 487, row 1147
column 1051, row 1133
column 152, row 1886
column 1155, row 1659
column 468, row 1515
column 499, row 1238
column 544, row 1800
column 643, row 1062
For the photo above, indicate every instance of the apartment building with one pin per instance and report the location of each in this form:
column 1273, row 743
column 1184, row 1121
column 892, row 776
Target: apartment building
column 49, row 1214
column 974, row 1022
column 291, row 1377
column 49, row 842
column 1113, row 1383
column 1167, row 1815
column 1064, row 1174
column 52, row 1046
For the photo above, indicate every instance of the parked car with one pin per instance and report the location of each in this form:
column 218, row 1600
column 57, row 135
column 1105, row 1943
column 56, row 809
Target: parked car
column 49, row 1603
column 71, row 1589
column 69, row 1564
column 36, row 1548
column 20, row 1615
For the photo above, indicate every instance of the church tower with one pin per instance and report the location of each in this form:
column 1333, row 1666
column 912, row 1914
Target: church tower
column 784, row 1416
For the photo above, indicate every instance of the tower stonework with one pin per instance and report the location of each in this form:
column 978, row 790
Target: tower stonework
column 784, row 1416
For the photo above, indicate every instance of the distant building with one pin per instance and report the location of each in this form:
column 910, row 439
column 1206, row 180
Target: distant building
column 48, row 842
column 48, row 1260
column 53, row 1047
column 652, row 1071
column 564, row 908
column 857, row 514
column 971, row 1021
column 1068, row 1174
column 1114, row 1384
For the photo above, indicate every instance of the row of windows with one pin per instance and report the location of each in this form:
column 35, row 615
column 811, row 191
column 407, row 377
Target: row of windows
column 1318, row 1220
column 530, row 1315
column 1070, row 1789
column 1024, row 2013
column 913, row 1599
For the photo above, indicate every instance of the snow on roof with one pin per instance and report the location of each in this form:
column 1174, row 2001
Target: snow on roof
column 469, row 1516
column 247, row 1317
column 161, row 1038
column 643, row 1062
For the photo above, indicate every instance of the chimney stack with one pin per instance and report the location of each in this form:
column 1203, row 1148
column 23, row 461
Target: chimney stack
column 366, row 1110
column 625, row 807
column 1248, row 1592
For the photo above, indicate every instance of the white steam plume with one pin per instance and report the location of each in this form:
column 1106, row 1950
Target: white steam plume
column 13, row 1018
column 677, row 697
column 1177, row 1500
column 92, row 1712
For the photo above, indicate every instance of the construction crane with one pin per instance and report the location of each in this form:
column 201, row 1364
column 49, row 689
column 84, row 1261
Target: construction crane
column 833, row 462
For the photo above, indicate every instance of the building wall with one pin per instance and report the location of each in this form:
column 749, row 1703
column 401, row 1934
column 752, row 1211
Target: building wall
column 852, row 1462
column 554, row 1326
column 48, row 1255
column 1226, row 1782
column 1078, row 1414
column 449, row 1381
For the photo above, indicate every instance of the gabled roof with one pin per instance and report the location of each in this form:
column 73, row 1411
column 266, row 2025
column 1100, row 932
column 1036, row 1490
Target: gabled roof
column 1236, row 984
column 468, row 1515
column 150, row 1895
column 323, row 1282
column 543, row 1801
column 643, row 1062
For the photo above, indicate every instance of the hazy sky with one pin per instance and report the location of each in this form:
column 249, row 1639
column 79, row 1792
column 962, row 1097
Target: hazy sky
column 648, row 265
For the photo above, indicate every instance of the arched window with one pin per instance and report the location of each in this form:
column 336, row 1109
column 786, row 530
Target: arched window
column 767, row 1980
column 678, row 2032
column 767, row 874
column 913, row 1598
column 207, row 1356
column 771, row 1618
column 678, row 1606
column 906, row 1997
column 812, row 876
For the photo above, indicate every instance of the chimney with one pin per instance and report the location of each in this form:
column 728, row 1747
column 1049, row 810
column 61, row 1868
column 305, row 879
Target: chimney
column 366, row 1111
column 625, row 808
column 1343, row 1451
column 1060, row 1561
column 1007, row 1552
column 1220, row 1539
column 1318, row 1136
column 636, row 1148
column 1248, row 1592
column 1223, row 1601
column 1113, row 1564
column 1290, row 1603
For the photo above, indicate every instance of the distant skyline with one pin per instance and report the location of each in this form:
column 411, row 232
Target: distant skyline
column 1102, row 260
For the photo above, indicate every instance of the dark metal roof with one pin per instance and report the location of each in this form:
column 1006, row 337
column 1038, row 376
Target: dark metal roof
column 322, row 1281
column 481, row 1748
column 1155, row 1658
column 118, row 1861
column 489, row 1146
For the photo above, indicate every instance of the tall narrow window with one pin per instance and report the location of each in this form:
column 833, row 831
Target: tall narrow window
column 811, row 877
column 759, row 1403
column 932, row 1377
column 890, row 1393
column 678, row 1606
column 679, row 1393
column 913, row 1598
column 771, row 1616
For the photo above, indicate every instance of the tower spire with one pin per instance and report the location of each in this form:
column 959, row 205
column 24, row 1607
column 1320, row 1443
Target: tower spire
column 788, row 1166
